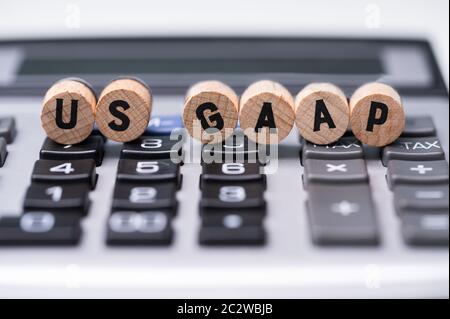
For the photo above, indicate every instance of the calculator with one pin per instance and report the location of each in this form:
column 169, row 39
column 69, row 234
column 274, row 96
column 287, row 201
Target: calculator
column 105, row 219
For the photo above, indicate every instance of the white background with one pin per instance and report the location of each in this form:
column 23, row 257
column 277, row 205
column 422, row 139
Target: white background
column 363, row 18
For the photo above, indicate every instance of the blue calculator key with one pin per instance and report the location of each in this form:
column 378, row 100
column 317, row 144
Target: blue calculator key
column 164, row 124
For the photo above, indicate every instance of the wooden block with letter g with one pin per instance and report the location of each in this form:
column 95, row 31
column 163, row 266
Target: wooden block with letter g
column 67, row 114
column 124, row 109
column 211, row 111
column 377, row 117
column 266, row 112
column 322, row 113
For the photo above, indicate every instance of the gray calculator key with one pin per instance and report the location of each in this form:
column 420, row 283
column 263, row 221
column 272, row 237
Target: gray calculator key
column 419, row 126
column 425, row 230
column 413, row 149
column 345, row 148
column 414, row 172
column 342, row 215
column 8, row 128
column 422, row 198
column 335, row 171
column 3, row 151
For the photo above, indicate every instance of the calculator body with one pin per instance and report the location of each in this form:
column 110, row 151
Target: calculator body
column 290, row 263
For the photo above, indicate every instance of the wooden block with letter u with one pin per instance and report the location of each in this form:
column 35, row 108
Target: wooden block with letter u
column 67, row 114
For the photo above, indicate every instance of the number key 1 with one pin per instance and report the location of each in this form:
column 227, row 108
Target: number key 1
column 68, row 198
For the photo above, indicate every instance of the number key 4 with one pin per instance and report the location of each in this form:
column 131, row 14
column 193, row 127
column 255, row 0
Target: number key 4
column 51, row 171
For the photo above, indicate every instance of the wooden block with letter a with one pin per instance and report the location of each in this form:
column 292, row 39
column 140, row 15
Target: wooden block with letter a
column 266, row 112
column 322, row 113
column 124, row 109
column 211, row 111
column 67, row 114
column 377, row 117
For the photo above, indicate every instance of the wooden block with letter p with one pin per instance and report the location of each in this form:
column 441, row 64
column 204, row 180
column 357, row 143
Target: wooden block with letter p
column 377, row 117
column 67, row 114
column 211, row 111
column 266, row 112
column 124, row 109
column 322, row 113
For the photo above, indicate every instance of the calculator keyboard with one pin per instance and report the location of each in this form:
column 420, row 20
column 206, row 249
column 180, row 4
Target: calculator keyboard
column 231, row 206
column 325, row 205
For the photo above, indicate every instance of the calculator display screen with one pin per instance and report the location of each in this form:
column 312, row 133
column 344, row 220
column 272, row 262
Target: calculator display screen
column 201, row 66
column 170, row 66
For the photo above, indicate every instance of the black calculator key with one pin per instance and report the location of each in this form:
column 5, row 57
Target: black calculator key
column 242, row 195
column 335, row 171
column 345, row 148
column 232, row 172
column 425, row 229
column 69, row 197
column 415, row 172
column 129, row 228
column 236, row 148
column 96, row 132
column 8, row 128
column 145, row 197
column 40, row 228
column 422, row 198
column 232, row 229
column 414, row 149
column 90, row 148
column 3, row 151
column 419, row 126
column 148, row 170
column 342, row 215
column 77, row 171
column 252, row 211
column 153, row 147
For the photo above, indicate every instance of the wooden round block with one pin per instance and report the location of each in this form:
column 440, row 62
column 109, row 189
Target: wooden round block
column 266, row 112
column 377, row 117
column 322, row 113
column 123, row 109
column 211, row 111
column 67, row 114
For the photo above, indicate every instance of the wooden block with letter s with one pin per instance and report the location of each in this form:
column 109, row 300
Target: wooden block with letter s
column 67, row 114
column 123, row 109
